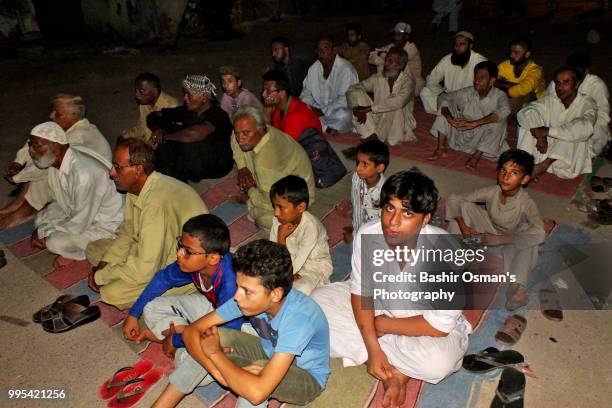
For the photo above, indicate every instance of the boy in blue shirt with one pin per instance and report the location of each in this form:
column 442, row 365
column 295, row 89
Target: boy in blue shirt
column 203, row 258
column 289, row 361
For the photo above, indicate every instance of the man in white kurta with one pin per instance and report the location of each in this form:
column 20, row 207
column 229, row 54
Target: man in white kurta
column 453, row 72
column 556, row 128
column 325, row 88
column 401, row 39
column 473, row 119
column 389, row 116
column 69, row 112
column 596, row 88
column 84, row 204
column 426, row 358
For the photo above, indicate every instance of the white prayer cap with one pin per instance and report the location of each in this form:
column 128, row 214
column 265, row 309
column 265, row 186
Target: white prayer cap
column 402, row 27
column 50, row 131
column 465, row 34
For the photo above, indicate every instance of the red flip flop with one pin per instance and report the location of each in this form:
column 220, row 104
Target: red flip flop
column 134, row 392
column 122, row 377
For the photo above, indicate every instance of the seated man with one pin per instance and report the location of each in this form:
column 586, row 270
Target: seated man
column 520, row 77
column 285, row 61
column 192, row 142
column 150, row 98
column 156, row 207
column 473, row 119
column 288, row 360
column 401, row 39
column 389, row 116
column 302, row 233
column 68, row 111
column 84, row 205
column 283, row 111
column 355, row 50
column 596, row 88
column 557, row 128
column 396, row 343
column 264, row 155
column 325, row 87
column 455, row 71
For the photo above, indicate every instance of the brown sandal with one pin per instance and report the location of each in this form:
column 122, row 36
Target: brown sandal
column 511, row 330
column 550, row 305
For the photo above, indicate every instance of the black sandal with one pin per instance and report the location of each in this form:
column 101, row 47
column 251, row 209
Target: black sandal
column 510, row 391
column 51, row 310
column 490, row 359
column 71, row 316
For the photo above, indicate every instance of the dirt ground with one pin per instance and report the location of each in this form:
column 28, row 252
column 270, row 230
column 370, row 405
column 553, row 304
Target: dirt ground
column 104, row 77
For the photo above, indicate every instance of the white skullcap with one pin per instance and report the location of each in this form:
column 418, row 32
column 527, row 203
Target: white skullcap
column 50, row 131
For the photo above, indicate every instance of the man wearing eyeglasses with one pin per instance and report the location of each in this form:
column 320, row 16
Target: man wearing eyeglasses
column 156, row 207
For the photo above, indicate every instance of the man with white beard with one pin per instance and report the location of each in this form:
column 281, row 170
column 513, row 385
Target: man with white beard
column 454, row 71
column 388, row 116
column 84, row 204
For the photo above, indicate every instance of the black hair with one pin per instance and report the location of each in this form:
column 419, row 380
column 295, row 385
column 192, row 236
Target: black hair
column 355, row 27
column 327, row 37
column 211, row 231
column 292, row 188
column 416, row 191
column 578, row 73
column 490, row 66
column 279, row 77
column 518, row 156
column 282, row 40
column 524, row 42
column 579, row 59
column 268, row 261
column 377, row 151
column 150, row 78
column 140, row 154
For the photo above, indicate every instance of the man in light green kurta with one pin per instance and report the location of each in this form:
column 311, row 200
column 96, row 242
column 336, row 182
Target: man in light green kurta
column 264, row 155
column 156, row 207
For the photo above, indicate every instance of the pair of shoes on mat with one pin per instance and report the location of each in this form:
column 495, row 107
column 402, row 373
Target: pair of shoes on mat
column 512, row 329
column 491, row 359
column 510, row 391
column 129, row 384
column 66, row 313
column 550, row 304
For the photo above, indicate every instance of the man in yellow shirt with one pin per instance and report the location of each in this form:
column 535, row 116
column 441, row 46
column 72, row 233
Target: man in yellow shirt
column 156, row 207
column 520, row 77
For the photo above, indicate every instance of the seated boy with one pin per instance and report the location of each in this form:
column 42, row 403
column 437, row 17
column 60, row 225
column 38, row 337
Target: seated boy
column 203, row 258
column 289, row 361
column 372, row 161
column 301, row 232
column 511, row 220
column 234, row 95
column 397, row 344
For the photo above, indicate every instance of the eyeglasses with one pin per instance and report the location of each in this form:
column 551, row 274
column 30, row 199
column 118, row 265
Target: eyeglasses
column 186, row 252
column 118, row 166
column 270, row 91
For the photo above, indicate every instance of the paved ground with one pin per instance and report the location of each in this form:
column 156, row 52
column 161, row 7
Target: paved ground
column 573, row 372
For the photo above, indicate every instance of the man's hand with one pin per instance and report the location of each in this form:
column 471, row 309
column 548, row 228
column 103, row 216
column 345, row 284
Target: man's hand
column 464, row 124
column 540, row 132
column 361, row 112
column 157, row 138
column 211, row 342
column 11, row 170
column 378, row 365
column 268, row 112
column 449, row 117
column 131, row 329
column 467, row 231
column 37, row 242
column 542, row 145
column 245, row 179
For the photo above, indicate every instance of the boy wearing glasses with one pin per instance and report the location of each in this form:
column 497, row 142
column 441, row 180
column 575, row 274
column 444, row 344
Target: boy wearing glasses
column 202, row 258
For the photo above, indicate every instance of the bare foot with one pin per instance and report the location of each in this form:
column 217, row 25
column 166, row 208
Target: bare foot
column 438, row 153
column 540, row 169
column 61, row 262
column 471, row 163
column 395, row 389
column 347, row 234
column 17, row 217
column 331, row 131
column 240, row 198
